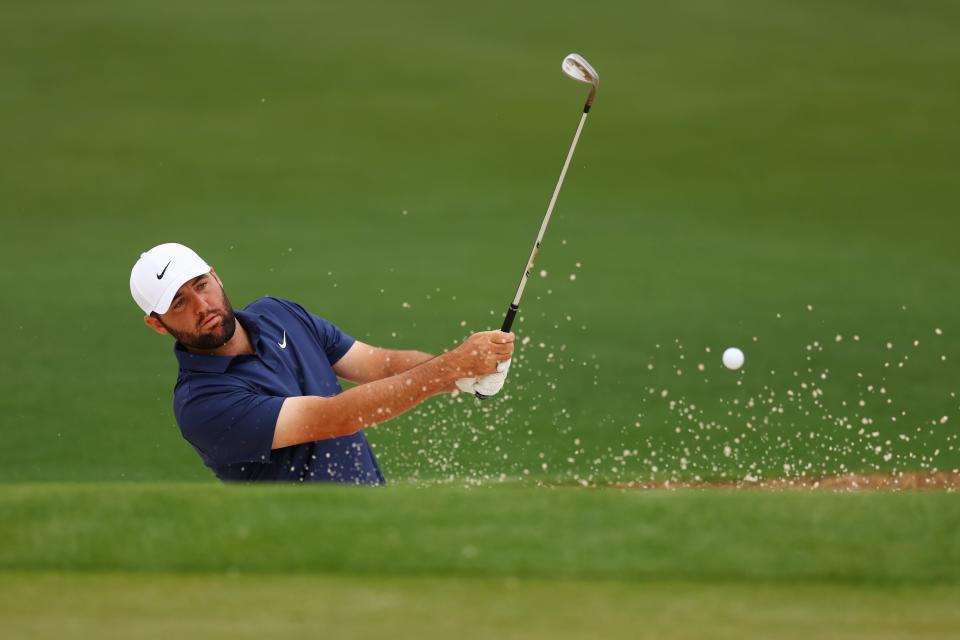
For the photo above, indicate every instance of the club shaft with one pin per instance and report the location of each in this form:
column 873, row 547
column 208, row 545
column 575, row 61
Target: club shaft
column 515, row 305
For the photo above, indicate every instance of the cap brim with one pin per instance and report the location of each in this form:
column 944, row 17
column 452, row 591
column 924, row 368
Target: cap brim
column 163, row 304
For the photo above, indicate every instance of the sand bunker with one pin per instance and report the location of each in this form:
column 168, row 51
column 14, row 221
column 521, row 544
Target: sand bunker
column 902, row 481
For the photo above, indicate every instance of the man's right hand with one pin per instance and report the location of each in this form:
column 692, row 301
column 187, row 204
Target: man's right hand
column 479, row 354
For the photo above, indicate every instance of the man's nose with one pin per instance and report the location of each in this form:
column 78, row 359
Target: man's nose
column 201, row 304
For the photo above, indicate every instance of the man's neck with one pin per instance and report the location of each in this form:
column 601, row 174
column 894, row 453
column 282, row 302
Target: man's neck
column 238, row 345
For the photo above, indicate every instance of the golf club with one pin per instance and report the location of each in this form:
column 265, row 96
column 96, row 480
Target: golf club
column 575, row 66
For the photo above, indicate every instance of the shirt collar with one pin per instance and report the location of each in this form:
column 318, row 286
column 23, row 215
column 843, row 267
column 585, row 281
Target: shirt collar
column 218, row 364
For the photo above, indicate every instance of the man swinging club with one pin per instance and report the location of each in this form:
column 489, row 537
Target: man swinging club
column 257, row 393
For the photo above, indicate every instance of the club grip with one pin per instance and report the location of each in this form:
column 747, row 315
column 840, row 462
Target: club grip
column 508, row 319
column 505, row 327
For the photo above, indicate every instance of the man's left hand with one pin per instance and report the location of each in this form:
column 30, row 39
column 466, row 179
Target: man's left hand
column 489, row 385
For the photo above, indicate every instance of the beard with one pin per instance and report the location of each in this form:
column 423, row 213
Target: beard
column 216, row 337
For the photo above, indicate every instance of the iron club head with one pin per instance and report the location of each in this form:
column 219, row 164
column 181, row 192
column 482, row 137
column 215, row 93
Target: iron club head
column 575, row 66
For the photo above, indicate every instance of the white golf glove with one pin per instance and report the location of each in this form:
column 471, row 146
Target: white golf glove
column 488, row 385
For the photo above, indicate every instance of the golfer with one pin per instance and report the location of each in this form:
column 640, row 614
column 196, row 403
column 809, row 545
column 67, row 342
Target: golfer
column 257, row 393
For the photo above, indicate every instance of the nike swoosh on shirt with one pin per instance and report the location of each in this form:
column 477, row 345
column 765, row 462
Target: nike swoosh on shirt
column 283, row 345
column 160, row 275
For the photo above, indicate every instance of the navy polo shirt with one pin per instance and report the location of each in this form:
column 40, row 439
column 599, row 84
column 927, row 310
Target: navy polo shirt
column 227, row 406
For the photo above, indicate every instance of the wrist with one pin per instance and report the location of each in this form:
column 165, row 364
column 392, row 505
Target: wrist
column 435, row 376
column 447, row 370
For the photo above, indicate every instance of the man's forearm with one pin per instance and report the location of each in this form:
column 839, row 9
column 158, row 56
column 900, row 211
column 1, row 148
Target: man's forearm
column 400, row 361
column 309, row 418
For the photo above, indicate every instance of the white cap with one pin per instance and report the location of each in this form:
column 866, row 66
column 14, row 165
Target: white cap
column 159, row 274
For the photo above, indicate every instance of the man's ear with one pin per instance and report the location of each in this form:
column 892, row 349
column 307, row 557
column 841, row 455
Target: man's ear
column 213, row 272
column 156, row 325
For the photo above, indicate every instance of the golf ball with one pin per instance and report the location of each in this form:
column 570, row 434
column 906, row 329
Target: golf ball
column 733, row 358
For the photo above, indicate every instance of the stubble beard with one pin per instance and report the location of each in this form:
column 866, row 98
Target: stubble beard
column 214, row 339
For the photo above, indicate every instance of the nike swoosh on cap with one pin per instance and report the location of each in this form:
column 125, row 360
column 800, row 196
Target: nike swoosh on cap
column 160, row 275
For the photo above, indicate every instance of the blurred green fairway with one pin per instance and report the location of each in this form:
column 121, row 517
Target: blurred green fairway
column 779, row 176
column 163, row 606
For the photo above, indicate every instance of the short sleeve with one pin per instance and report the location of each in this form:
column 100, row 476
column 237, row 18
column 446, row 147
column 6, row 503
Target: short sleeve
column 229, row 423
column 335, row 342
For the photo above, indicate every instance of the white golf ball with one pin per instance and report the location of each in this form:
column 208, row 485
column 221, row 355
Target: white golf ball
column 733, row 358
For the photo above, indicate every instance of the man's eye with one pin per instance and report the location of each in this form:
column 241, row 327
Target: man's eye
column 178, row 304
column 201, row 286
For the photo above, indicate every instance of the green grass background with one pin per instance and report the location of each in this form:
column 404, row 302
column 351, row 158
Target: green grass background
column 742, row 162
column 779, row 176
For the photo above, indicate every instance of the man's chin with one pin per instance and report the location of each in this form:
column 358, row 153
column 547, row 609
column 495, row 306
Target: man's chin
column 214, row 339
column 222, row 333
